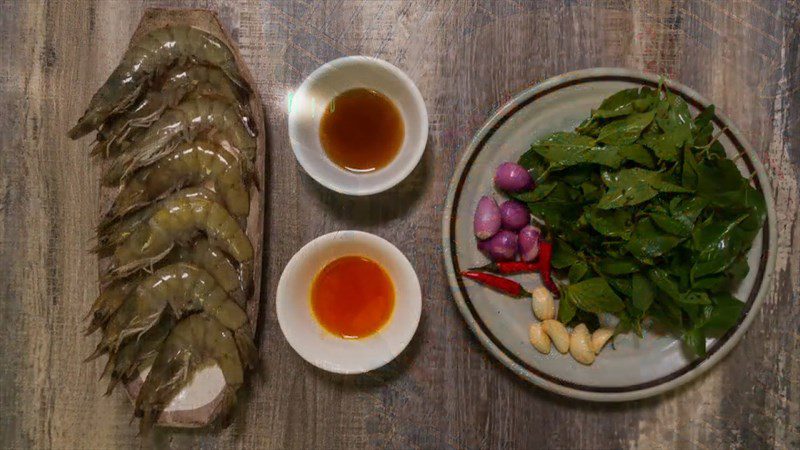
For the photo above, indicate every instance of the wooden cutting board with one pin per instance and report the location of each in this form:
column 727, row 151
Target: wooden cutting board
column 206, row 385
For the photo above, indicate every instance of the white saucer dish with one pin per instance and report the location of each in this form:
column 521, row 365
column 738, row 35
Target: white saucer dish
column 325, row 350
column 308, row 103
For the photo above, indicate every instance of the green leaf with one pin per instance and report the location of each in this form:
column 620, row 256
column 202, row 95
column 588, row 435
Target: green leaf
column 594, row 295
column 695, row 339
column 618, row 266
column 625, row 131
column 689, row 175
column 670, row 225
column 726, row 313
column 648, row 242
column 558, row 209
column 541, row 191
column 564, row 149
column 563, row 255
column 711, row 242
column 714, row 283
column 613, row 223
column 686, row 211
column 643, row 292
column 619, row 104
column 694, row 298
column 665, row 146
column 633, row 186
column 676, row 120
column 562, row 143
column 534, row 162
column 636, row 153
column 577, row 271
column 704, row 127
column 664, row 283
column 566, row 310
column 722, row 185
column 621, row 285
column 739, row 268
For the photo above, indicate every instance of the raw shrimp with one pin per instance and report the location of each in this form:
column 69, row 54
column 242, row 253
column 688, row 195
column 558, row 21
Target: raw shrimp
column 218, row 264
column 201, row 80
column 196, row 342
column 191, row 163
column 185, row 288
column 177, row 220
column 135, row 353
column 146, row 60
column 194, row 116
column 111, row 233
column 200, row 252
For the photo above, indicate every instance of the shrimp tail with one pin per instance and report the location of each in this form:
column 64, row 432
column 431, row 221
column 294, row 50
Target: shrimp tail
column 247, row 349
column 94, row 117
column 100, row 350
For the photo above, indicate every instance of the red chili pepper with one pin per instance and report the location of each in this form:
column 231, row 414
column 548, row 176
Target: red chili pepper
column 509, row 267
column 504, row 285
column 545, row 257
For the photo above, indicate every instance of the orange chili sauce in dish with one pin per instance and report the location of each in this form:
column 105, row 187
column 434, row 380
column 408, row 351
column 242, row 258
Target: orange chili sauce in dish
column 361, row 130
column 352, row 297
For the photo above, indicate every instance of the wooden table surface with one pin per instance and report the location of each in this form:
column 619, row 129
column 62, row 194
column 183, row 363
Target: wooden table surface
column 445, row 391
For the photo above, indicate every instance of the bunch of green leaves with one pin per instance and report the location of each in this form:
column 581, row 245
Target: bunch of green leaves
column 649, row 218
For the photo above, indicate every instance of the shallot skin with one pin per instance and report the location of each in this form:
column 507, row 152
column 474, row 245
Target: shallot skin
column 501, row 247
column 528, row 239
column 487, row 218
column 514, row 215
column 512, row 177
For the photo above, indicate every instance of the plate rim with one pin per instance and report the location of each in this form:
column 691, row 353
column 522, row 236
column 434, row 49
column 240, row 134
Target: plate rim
column 685, row 373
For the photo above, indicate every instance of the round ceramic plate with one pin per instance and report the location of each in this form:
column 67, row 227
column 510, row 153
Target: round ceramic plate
column 636, row 367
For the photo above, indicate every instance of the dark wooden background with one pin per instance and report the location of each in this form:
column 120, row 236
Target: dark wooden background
column 445, row 391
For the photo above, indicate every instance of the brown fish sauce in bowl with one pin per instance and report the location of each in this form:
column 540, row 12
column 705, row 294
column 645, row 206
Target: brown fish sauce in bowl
column 361, row 130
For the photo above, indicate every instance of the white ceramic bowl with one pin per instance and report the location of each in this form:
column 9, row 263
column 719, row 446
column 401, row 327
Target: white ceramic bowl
column 307, row 105
column 330, row 352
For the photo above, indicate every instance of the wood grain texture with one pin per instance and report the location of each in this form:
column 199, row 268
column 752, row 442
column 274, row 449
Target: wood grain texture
column 445, row 391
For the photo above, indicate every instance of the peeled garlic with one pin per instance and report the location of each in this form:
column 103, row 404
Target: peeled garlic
column 580, row 345
column 544, row 307
column 600, row 337
column 539, row 338
column 558, row 333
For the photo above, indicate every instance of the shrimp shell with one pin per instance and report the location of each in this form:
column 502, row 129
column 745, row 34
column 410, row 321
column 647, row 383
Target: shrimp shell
column 146, row 60
column 191, row 163
column 111, row 233
column 178, row 83
column 177, row 220
column 109, row 300
column 196, row 342
column 186, row 121
column 136, row 353
column 200, row 252
column 185, row 288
